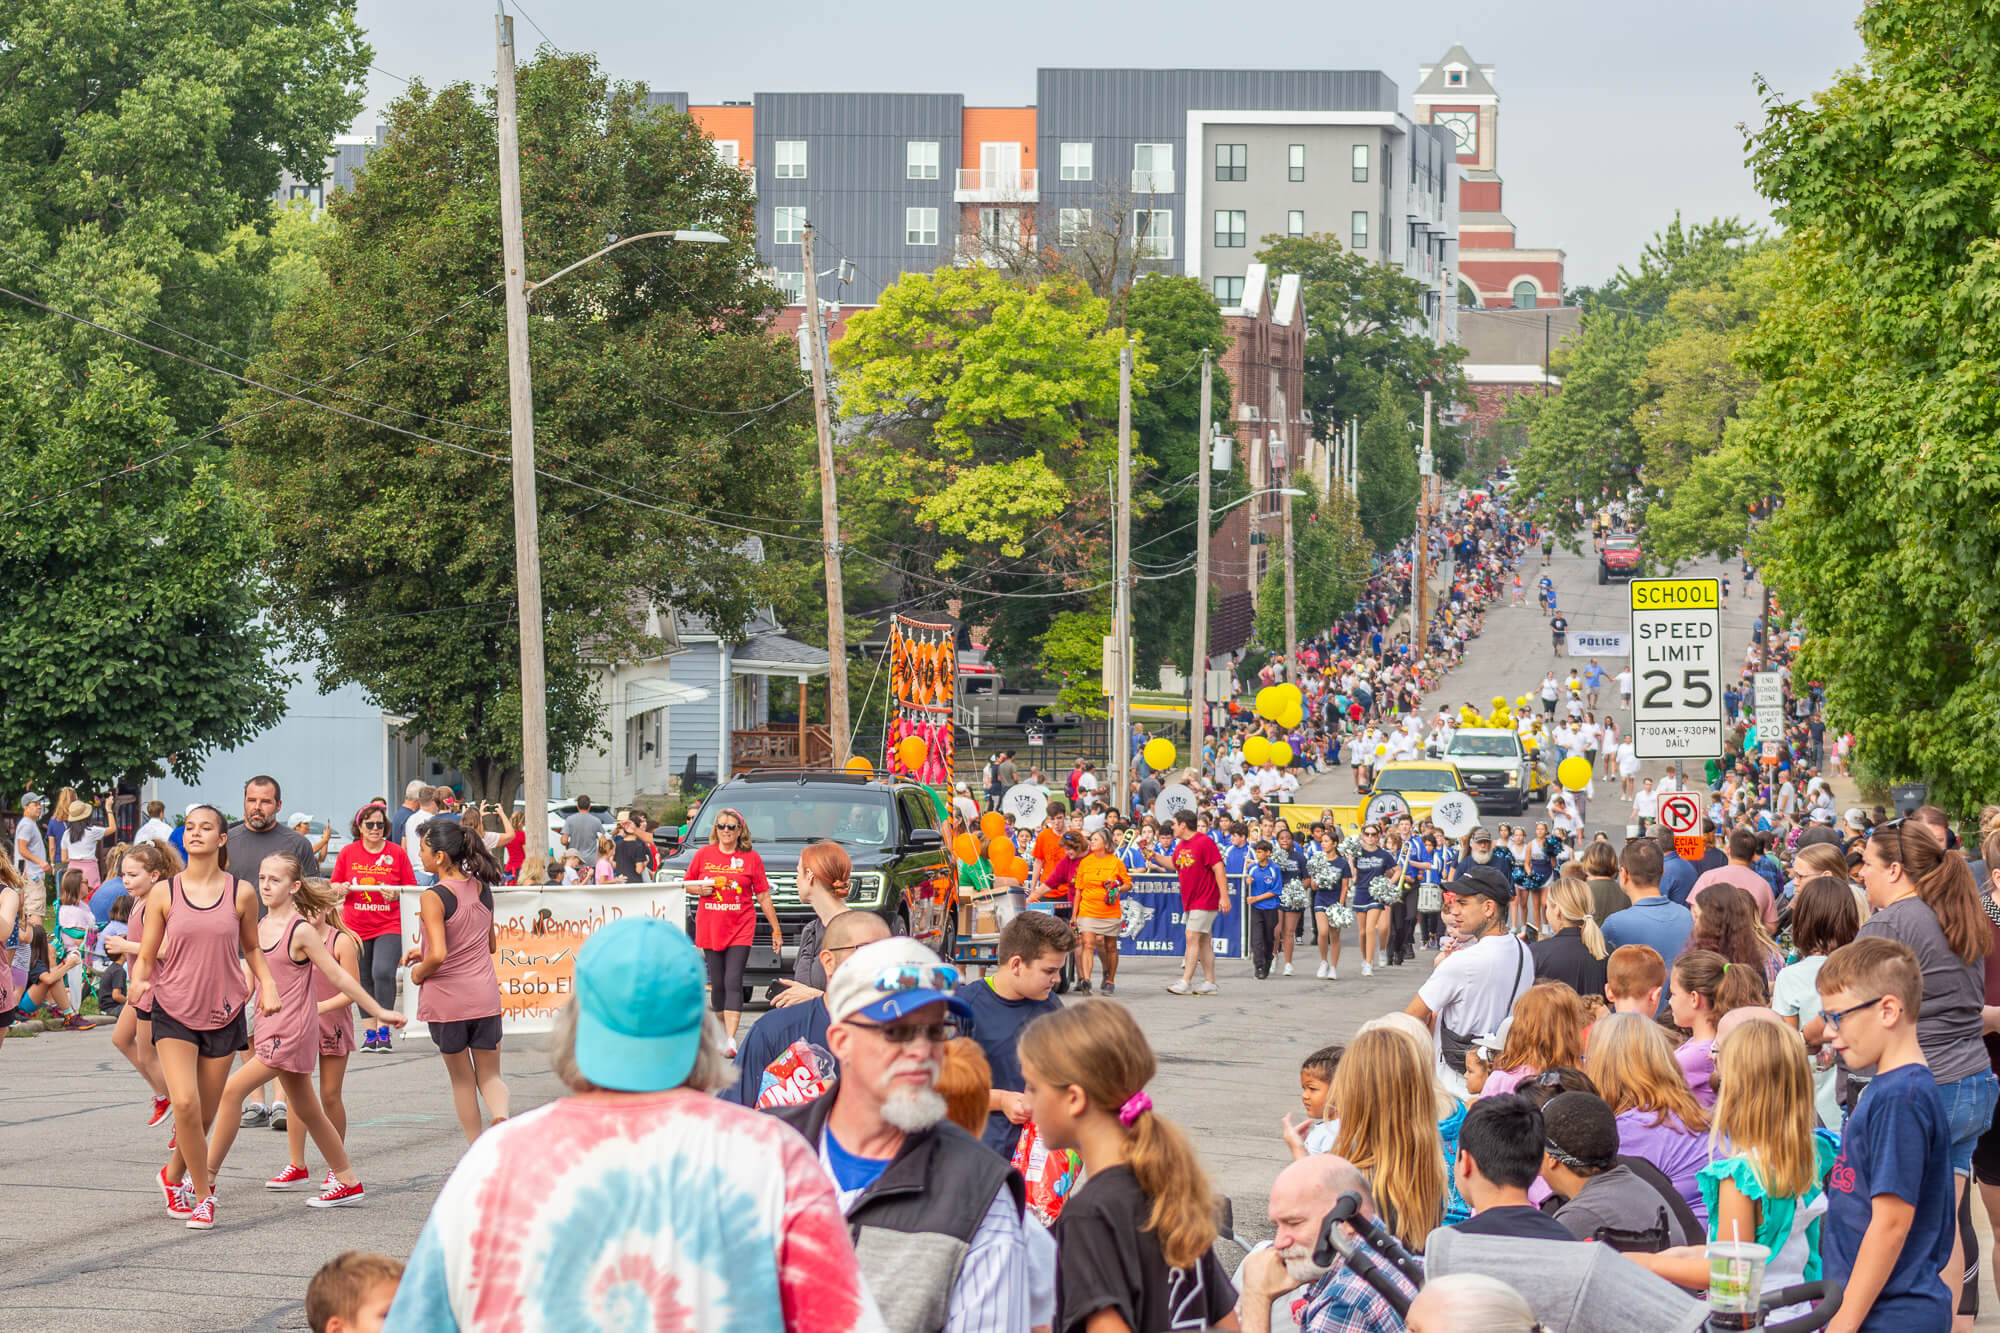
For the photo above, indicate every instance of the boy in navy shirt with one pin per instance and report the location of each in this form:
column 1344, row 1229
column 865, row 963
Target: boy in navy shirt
column 1890, row 1214
column 1261, row 893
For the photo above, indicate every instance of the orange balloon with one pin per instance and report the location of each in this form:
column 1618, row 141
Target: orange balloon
column 912, row 750
column 993, row 824
column 967, row 847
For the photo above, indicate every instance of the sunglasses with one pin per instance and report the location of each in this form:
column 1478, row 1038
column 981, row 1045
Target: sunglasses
column 375, row 823
column 727, row 828
column 1832, row 1018
column 903, row 1034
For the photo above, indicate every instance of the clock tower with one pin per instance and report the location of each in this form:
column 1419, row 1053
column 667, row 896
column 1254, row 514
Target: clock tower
column 1458, row 94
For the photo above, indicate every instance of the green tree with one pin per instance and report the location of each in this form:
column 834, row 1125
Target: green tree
column 1330, row 558
column 130, row 643
column 1387, row 462
column 1878, row 410
column 394, row 556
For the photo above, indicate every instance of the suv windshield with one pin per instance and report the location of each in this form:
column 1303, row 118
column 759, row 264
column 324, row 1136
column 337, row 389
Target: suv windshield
column 1416, row 779
column 859, row 816
column 1484, row 747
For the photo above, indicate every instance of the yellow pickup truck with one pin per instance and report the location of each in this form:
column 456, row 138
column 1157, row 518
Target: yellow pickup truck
column 1418, row 781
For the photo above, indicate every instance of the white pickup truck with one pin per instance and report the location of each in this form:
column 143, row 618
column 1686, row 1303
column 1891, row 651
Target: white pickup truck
column 1499, row 771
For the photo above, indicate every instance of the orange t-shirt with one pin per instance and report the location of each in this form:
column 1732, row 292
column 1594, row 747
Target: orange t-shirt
column 1048, row 854
column 1094, row 876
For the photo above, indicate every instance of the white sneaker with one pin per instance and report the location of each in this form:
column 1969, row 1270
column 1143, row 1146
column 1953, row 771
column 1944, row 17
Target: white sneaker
column 1288, row 969
column 1207, row 988
column 1331, row 975
column 1321, row 973
column 1381, row 958
column 1367, row 971
column 1179, row 988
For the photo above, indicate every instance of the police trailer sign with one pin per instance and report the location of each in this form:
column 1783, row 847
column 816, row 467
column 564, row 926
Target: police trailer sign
column 1677, row 666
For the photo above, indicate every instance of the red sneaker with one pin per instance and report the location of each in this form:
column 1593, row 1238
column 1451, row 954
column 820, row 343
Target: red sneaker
column 162, row 1108
column 287, row 1178
column 179, row 1205
column 203, row 1216
column 336, row 1195
column 77, row 1023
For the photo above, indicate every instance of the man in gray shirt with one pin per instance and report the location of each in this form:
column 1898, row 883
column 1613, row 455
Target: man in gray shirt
column 31, row 849
column 1608, row 1201
column 260, row 834
column 582, row 830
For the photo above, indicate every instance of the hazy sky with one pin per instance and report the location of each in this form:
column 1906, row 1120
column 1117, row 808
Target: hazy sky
column 1613, row 113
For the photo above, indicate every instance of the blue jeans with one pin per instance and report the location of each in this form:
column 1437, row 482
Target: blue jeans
column 1968, row 1109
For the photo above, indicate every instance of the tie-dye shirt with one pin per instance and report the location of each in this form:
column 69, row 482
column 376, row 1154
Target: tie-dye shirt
column 666, row 1211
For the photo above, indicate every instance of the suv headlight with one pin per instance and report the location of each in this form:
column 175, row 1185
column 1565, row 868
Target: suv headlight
column 867, row 888
column 1511, row 780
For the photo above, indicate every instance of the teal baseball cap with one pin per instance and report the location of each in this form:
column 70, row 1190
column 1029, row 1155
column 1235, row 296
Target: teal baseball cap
column 641, row 997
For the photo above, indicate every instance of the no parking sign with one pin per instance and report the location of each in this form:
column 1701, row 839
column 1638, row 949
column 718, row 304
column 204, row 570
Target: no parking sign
column 1680, row 811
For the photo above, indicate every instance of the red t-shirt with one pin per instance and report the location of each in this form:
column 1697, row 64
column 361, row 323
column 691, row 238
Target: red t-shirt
column 517, row 851
column 368, row 913
column 1195, row 860
column 726, row 914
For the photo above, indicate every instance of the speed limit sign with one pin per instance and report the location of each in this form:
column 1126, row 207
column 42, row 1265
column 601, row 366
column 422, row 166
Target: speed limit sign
column 1677, row 662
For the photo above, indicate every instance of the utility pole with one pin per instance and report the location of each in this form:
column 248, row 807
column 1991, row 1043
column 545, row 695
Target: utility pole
column 1121, row 615
column 1198, row 704
column 521, row 433
column 1420, row 630
column 1291, row 571
column 829, row 518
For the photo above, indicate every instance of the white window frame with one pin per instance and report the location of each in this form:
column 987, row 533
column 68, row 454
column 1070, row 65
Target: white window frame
column 788, row 159
column 1072, row 225
column 1358, row 162
column 1357, row 230
column 1227, row 161
column 1078, row 160
column 1153, row 233
column 1234, row 298
column 1295, row 162
column 920, row 226
column 1161, row 158
column 1295, row 222
column 920, row 159
column 729, row 152
column 1232, row 228
column 780, row 233
column 790, row 284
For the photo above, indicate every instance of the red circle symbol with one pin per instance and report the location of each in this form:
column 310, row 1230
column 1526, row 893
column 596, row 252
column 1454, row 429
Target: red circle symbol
column 1680, row 812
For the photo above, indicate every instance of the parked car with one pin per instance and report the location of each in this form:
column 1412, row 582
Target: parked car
column 888, row 826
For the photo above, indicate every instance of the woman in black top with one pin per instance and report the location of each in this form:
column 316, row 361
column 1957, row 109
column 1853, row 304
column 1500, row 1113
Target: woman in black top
column 1576, row 953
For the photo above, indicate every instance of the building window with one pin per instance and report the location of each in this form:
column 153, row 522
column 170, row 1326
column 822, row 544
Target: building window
column 920, row 225
column 1358, row 230
column 1525, row 295
column 1361, row 162
column 1152, row 168
column 920, row 160
column 312, row 194
column 1076, row 161
column 1295, row 162
column 790, row 160
column 1230, row 227
column 1072, row 224
column 1229, row 291
column 791, row 285
column 1295, row 222
column 1232, row 161
column 1455, row 77
column 788, row 224
column 728, row 152
column 1153, row 229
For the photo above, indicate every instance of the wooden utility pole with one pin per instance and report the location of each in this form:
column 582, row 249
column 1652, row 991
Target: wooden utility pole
column 1198, row 703
column 1284, row 482
column 829, row 519
column 521, row 434
column 1121, row 614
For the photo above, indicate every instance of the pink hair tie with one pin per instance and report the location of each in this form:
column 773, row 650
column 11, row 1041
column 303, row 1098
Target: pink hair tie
column 1135, row 1106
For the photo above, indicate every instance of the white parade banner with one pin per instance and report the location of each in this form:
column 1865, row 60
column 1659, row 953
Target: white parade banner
column 1677, row 645
column 1600, row 643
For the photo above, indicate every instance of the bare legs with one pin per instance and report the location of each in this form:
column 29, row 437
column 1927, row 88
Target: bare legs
column 300, row 1102
column 1329, row 943
column 136, row 1045
column 196, row 1087
column 475, row 1077
column 332, row 1077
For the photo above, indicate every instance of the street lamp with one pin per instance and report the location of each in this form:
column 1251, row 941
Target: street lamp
column 521, row 420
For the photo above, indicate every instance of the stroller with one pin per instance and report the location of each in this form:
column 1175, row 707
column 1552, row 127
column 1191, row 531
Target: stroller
column 1576, row 1286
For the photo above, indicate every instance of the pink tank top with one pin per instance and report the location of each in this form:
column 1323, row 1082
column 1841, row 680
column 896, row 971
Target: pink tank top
column 199, row 980
column 289, row 1039
column 336, row 1029
column 464, row 986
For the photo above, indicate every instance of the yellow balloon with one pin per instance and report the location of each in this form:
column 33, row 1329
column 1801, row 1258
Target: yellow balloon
column 1281, row 754
column 1574, row 772
column 860, row 764
column 1294, row 716
column 1159, row 754
column 1256, row 750
column 1267, row 702
column 1293, row 693
column 1381, row 749
column 911, row 750
column 1499, row 701
column 1521, row 702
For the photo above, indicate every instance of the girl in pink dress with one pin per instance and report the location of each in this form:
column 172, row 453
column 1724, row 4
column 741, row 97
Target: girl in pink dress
column 458, row 992
column 201, row 928
column 336, row 1042
column 295, row 955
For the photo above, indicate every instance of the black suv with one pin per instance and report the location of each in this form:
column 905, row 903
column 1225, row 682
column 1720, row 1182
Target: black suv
column 888, row 826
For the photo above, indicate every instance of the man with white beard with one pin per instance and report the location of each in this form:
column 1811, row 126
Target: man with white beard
column 935, row 1214
column 1336, row 1301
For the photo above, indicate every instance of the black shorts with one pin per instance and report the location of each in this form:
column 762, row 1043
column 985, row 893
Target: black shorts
column 211, row 1044
column 145, row 1015
column 457, row 1034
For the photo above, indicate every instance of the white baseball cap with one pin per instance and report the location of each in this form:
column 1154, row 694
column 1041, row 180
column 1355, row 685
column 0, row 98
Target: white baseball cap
column 296, row 818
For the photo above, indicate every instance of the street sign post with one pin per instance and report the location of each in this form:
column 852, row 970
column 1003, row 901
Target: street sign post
column 1677, row 659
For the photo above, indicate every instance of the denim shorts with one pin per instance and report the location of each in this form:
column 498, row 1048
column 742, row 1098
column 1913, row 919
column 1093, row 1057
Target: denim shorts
column 1968, row 1109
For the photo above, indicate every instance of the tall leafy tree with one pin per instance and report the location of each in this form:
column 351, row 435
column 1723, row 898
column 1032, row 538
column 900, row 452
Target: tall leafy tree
column 1386, row 460
column 1330, row 557
column 394, row 555
column 1878, row 410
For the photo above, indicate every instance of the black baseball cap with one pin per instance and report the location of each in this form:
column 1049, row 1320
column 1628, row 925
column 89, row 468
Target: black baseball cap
column 1488, row 881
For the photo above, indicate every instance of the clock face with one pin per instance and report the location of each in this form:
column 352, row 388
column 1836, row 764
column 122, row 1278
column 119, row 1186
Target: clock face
column 1465, row 125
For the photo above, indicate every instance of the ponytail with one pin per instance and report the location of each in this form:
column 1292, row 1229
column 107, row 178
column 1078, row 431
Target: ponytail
column 465, row 850
column 1095, row 1045
column 1570, row 896
column 1725, row 985
column 1944, row 881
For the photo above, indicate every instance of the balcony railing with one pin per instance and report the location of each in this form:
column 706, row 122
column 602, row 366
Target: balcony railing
column 995, row 185
column 1152, row 180
column 785, row 748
